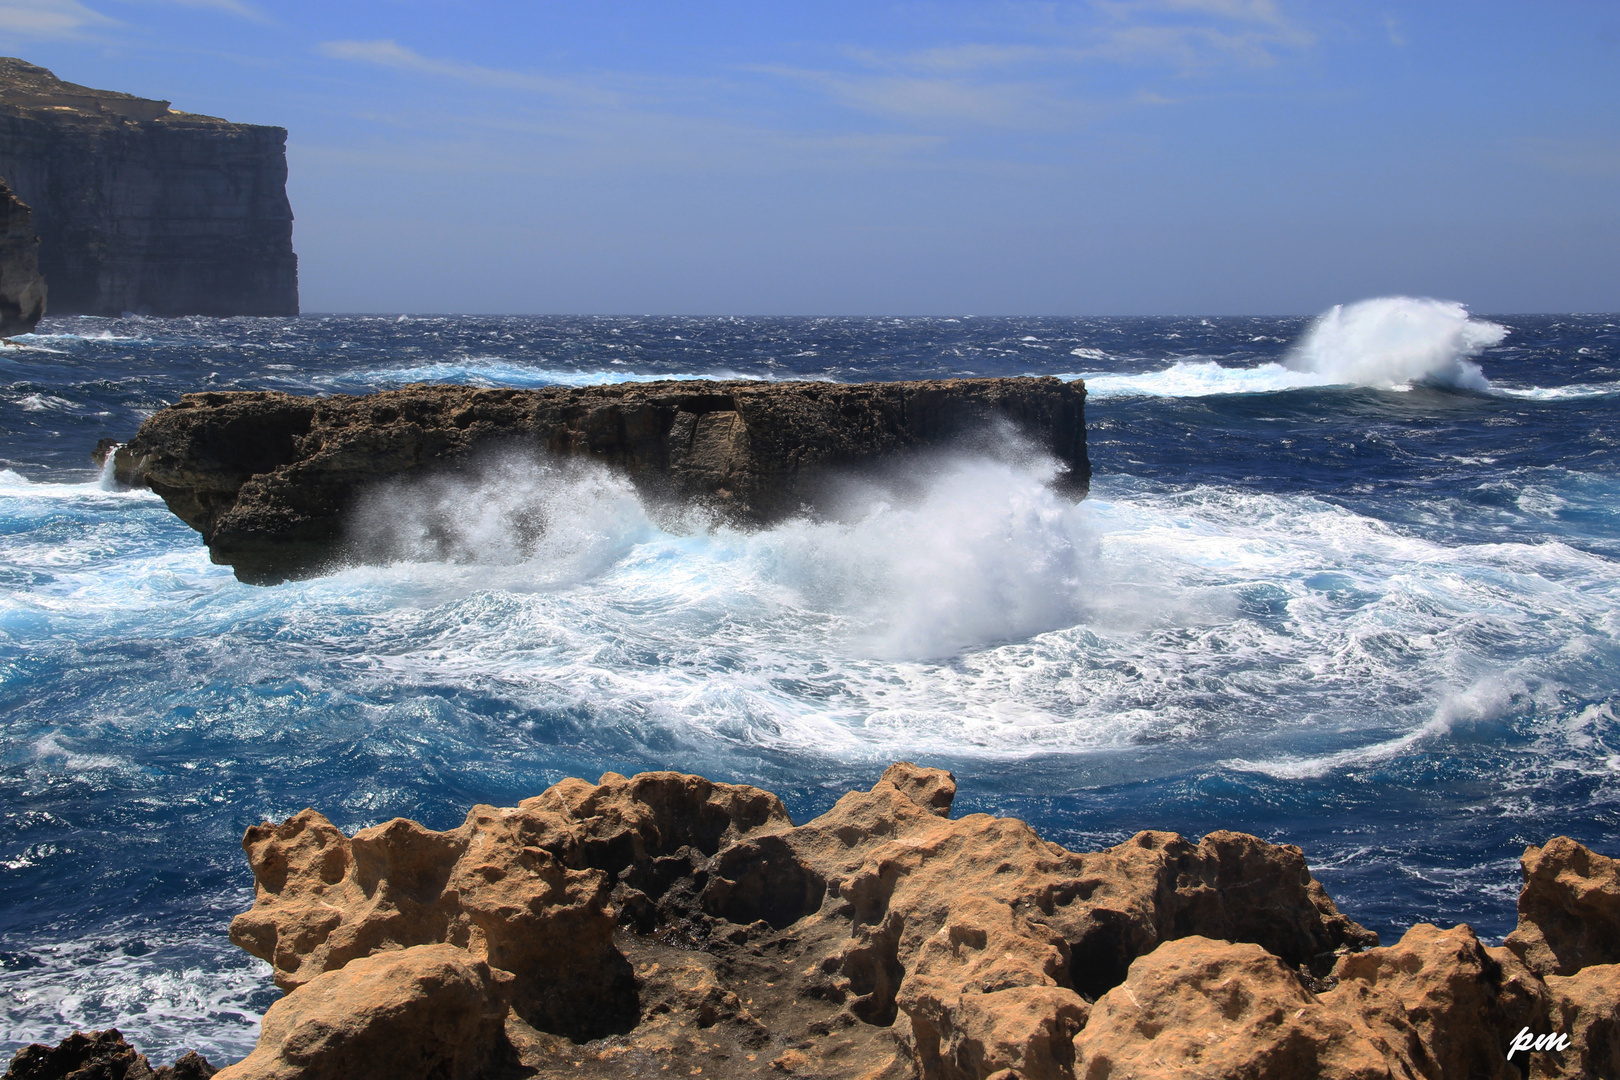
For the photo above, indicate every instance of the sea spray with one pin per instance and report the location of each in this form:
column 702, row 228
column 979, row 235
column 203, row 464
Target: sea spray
column 1397, row 341
column 1389, row 343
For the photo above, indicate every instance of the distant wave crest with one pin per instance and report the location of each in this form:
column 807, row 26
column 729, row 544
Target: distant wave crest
column 1389, row 343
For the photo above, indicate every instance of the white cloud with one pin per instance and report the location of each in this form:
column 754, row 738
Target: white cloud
column 61, row 20
column 391, row 54
column 932, row 100
column 239, row 8
column 1029, row 81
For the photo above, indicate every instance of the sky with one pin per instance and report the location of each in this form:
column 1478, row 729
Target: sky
column 1102, row 157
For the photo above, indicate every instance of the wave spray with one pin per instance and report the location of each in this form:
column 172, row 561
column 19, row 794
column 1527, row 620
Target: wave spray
column 1396, row 341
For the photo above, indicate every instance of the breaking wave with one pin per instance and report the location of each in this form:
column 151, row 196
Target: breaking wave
column 1390, row 343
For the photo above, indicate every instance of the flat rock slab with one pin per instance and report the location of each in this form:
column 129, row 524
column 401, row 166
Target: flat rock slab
column 269, row 479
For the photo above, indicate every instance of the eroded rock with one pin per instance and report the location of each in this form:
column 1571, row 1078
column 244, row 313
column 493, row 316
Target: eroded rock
column 430, row 1011
column 272, row 481
column 666, row 925
column 1569, row 909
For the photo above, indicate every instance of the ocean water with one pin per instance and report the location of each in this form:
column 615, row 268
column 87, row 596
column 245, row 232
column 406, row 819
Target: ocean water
column 1350, row 583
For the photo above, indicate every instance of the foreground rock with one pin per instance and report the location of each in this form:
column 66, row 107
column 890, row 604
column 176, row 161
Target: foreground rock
column 22, row 287
column 140, row 207
column 100, row 1055
column 663, row 925
column 271, row 480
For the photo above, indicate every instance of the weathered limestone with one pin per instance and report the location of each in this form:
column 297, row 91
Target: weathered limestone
column 430, row 1010
column 270, row 479
column 664, row 925
column 1569, row 910
column 22, row 287
column 142, row 208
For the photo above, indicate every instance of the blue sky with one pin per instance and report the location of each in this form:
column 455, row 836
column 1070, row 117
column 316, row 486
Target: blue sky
column 1101, row 157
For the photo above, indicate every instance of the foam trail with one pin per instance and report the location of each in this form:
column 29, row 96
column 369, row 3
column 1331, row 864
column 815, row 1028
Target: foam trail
column 1397, row 341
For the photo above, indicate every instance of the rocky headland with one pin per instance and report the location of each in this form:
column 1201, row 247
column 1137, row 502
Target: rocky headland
column 22, row 286
column 663, row 925
column 270, row 479
column 140, row 207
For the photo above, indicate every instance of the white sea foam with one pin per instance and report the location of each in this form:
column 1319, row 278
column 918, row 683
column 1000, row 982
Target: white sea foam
column 1391, row 343
column 1200, row 378
column 1572, row 392
column 160, row 999
column 971, row 609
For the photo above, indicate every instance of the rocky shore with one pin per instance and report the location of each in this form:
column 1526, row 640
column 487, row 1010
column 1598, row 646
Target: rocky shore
column 270, row 479
column 663, row 925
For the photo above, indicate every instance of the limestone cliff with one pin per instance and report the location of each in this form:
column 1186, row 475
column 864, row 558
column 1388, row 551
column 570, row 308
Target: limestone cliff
column 22, row 289
column 142, row 208
column 269, row 479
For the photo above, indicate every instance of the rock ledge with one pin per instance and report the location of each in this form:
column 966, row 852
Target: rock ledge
column 270, row 479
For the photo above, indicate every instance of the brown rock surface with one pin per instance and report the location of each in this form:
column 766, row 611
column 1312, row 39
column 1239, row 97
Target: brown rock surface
column 1200, row 1008
column 665, row 921
column 1585, row 1007
column 663, row 925
column 1569, row 909
column 270, row 480
column 22, row 287
column 428, row 1011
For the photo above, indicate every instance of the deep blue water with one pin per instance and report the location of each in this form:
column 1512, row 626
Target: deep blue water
column 1334, row 587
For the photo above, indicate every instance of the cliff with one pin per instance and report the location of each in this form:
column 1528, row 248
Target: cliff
column 22, row 288
column 270, row 479
column 665, row 925
column 142, row 208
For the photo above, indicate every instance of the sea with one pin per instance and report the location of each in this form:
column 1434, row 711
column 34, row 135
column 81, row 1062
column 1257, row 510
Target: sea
column 1349, row 582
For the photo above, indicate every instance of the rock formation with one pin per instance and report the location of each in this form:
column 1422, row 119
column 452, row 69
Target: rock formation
column 665, row 925
column 269, row 478
column 142, row 208
column 100, row 1055
column 22, row 289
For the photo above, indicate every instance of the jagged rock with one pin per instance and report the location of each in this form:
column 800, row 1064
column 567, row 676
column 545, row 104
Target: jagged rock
column 143, row 208
column 526, row 888
column 429, row 1011
column 100, row 1055
column 882, row 937
column 1569, row 909
column 1214, row 1010
column 666, row 925
column 270, row 480
column 22, row 288
column 1586, row 1008
column 1443, row 1003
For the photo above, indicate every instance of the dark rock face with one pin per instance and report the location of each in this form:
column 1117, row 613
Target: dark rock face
column 141, row 208
column 100, row 1055
column 269, row 478
column 22, row 288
